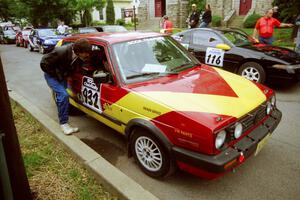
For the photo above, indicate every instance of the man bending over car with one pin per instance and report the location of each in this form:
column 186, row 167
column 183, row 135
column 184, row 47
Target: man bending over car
column 58, row 66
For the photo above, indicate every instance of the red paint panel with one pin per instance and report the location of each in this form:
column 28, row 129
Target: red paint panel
column 111, row 94
column 198, row 80
column 191, row 130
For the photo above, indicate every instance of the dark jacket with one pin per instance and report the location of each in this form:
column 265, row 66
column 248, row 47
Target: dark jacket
column 206, row 17
column 58, row 62
column 194, row 19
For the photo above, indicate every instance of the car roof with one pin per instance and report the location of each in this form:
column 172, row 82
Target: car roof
column 112, row 38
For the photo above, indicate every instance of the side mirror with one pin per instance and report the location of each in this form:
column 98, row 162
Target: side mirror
column 225, row 47
column 102, row 77
column 100, row 74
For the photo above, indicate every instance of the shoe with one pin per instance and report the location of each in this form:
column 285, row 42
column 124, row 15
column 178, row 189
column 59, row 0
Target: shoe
column 67, row 129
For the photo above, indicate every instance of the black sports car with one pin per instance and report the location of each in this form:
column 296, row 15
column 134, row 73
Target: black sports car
column 235, row 51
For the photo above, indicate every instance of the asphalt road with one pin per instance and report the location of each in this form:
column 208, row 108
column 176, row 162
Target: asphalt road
column 273, row 174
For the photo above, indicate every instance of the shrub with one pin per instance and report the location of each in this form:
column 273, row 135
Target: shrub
column 110, row 12
column 216, row 21
column 251, row 20
column 97, row 23
column 120, row 22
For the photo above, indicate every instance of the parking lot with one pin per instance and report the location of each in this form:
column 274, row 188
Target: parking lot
column 273, row 174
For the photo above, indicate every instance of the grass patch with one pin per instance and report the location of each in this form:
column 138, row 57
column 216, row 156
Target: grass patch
column 282, row 36
column 52, row 172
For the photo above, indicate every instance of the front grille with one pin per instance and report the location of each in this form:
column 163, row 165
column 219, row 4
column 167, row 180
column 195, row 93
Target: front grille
column 254, row 117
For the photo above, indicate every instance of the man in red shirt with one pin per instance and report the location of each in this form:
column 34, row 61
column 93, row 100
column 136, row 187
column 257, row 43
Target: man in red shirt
column 265, row 27
column 167, row 25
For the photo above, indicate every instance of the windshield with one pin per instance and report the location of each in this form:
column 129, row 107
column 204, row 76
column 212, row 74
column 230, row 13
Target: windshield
column 114, row 29
column 151, row 57
column 236, row 38
column 47, row 32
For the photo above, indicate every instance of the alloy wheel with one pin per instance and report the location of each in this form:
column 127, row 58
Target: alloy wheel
column 148, row 153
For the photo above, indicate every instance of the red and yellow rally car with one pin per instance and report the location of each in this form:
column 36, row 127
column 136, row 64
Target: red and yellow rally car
column 173, row 110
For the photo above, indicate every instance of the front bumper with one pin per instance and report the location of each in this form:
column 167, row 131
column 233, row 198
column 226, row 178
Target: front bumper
column 230, row 157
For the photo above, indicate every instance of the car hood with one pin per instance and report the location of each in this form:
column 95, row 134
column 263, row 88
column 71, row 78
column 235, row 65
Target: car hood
column 284, row 54
column 204, row 91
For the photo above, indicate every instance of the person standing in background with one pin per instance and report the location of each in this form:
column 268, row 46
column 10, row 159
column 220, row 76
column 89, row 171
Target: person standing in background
column 206, row 17
column 298, row 35
column 62, row 28
column 265, row 28
column 194, row 17
column 167, row 25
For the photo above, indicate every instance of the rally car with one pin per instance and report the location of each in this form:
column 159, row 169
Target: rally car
column 235, row 51
column 173, row 110
column 43, row 39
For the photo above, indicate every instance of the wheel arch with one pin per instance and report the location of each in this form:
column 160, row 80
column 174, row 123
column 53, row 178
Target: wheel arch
column 258, row 61
column 148, row 126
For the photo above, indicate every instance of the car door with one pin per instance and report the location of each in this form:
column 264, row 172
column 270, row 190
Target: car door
column 97, row 95
column 203, row 44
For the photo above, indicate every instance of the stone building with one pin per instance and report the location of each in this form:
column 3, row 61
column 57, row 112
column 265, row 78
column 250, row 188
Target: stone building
column 228, row 9
column 151, row 11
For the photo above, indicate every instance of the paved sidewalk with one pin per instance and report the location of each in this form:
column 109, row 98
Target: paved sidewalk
column 112, row 178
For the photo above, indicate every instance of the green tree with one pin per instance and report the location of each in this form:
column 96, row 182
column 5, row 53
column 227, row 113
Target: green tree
column 288, row 9
column 200, row 4
column 110, row 12
column 85, row 8
column 4, row 10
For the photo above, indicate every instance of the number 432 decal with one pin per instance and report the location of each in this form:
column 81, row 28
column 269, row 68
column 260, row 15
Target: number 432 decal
column 214, row 56
column 90, row 94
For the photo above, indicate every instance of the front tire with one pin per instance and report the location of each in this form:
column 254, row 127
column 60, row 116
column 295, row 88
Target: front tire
column 253, row 71
column 150, row 154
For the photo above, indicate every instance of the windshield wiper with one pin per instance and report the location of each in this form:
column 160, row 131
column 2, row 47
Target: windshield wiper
column 148, row 74
column 183, row 66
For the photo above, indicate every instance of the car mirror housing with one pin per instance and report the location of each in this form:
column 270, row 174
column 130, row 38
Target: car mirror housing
column 225, row 47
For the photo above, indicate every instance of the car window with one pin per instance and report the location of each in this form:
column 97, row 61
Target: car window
column 236, row 38
column 47, row 32
column 206, row 38
column 114, row 29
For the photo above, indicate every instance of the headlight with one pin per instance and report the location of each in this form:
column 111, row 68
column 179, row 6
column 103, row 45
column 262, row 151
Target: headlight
column 269, row 108
column 238, row 130
column 220, row 139
column 47, row 42
column 273, row 101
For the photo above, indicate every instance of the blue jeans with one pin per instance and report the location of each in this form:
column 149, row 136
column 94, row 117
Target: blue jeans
column 263, row 40
column 61, row 97
column 203, row 25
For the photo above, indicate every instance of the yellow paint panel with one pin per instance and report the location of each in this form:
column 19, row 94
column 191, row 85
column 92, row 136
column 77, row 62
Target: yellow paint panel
column 135, row 105
column 120, row 129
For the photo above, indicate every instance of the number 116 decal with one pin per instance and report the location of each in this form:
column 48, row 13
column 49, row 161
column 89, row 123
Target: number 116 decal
column 214, row 56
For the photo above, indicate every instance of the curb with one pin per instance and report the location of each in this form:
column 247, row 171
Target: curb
column 112, row 178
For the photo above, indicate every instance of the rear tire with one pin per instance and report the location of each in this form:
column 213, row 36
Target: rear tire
column 150, row 154
column 253, row 71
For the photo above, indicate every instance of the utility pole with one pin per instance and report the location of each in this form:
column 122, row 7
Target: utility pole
column 13, row 181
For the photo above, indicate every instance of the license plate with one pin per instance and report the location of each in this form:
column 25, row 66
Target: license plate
column 262, row 143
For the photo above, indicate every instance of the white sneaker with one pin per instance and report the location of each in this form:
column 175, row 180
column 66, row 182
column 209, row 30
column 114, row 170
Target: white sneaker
column 68, row 129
